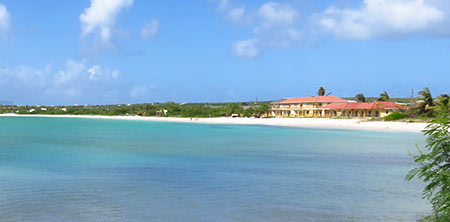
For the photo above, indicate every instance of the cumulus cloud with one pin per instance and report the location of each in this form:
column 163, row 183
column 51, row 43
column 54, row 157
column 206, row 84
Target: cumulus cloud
column 100, row 17
column 275, row 26
column 385, row 18
column 278, row 25
column 247, row 49
column 274, row 14
column 73, row 70
column 237, row 15
column 5, row 19
column 150, row 29
column 73, row 80
column 222, row 4
column 97, row 73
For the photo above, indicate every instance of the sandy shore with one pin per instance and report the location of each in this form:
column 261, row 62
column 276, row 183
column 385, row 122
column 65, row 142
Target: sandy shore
column 322, row 123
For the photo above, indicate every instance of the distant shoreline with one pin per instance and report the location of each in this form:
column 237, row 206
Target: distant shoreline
column 317, row 123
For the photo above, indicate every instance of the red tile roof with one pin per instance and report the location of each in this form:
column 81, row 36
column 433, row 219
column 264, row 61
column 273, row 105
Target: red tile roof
column 372, row 105
column 316, row 99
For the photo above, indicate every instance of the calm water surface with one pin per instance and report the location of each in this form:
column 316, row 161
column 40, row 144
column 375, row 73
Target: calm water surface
column 70, row 169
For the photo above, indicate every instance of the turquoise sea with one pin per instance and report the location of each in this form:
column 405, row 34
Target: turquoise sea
column 74, row 169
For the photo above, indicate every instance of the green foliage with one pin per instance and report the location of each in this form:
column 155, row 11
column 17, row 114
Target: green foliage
column 383, row 97
column 249, row 112
column 442, row 105
column 425, row 102
column 321, row 91
column 434, row 169
column 395, row 116
column 173, row 109
column 360, row 97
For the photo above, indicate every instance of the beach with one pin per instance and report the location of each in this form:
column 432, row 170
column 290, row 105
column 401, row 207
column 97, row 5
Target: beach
column 317, row 123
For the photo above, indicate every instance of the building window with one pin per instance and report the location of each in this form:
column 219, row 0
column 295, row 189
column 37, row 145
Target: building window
column 387, row 111
column 307, row 112
column 370, row 113
column 377, row 114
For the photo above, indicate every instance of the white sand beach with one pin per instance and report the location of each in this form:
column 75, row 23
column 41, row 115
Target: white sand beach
column 321, row 123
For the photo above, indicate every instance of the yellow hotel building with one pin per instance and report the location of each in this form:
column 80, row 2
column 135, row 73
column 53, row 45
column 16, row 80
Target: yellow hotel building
column 330, row 107
column 303, row 106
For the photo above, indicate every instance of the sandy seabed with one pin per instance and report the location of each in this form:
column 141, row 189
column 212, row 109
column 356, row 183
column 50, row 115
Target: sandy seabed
column 322, row 123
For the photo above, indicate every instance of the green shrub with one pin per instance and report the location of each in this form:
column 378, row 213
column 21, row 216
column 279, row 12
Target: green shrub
column 433, row 167
column 395, row 116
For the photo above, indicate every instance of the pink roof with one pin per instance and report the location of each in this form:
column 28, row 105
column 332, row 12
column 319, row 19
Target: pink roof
column 316, row 99
column 372, row 105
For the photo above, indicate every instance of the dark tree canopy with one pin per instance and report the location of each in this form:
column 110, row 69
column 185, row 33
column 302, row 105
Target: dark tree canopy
column 321, row 91
column 383, row 97
column 425, row 101
column 360, row 97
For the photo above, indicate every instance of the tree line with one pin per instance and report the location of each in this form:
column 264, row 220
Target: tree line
column 156, row 109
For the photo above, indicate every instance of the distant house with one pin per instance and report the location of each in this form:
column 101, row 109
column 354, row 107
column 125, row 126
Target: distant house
column 331, row 106
column 162, row 112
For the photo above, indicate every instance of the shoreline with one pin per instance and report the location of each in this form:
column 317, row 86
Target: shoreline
column 315, row 123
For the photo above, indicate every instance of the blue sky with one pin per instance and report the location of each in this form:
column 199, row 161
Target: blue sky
column 134, row 51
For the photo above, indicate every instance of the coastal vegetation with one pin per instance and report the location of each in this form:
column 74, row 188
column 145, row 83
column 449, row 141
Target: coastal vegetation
column 171, row 109
column 426, row 107
column 422, row 108
column 434, row 169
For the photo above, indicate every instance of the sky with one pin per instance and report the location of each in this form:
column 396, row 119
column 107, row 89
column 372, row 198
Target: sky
column 56, row 52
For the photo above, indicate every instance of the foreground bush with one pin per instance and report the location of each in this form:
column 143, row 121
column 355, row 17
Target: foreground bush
column 395, row 116
column 434, row 169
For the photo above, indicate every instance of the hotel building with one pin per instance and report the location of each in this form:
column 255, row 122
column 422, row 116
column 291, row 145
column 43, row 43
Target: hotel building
column 330, row 107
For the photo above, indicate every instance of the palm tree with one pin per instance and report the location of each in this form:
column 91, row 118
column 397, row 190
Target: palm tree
column 443, row 104
column 360, row 97
column 425, row 101
column 321, row 91
column 383, row 96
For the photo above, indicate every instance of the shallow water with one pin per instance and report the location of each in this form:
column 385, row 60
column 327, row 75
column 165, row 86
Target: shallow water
column 71, row 169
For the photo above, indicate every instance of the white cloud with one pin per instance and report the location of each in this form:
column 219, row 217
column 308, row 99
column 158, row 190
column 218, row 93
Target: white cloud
column 223, row 4
column 247, row 48
column 100, row 17
column 274, row 14
column 73, row 70
column 275, row 26
column 150, row 29
column 115, row 74
column 24, row 74
column 97, row 73
column 73, row 81
column 5, row 19
column 381, row 18
column 236, row 15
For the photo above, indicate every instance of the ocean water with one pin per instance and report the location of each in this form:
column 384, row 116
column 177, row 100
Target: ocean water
column 72, row 169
